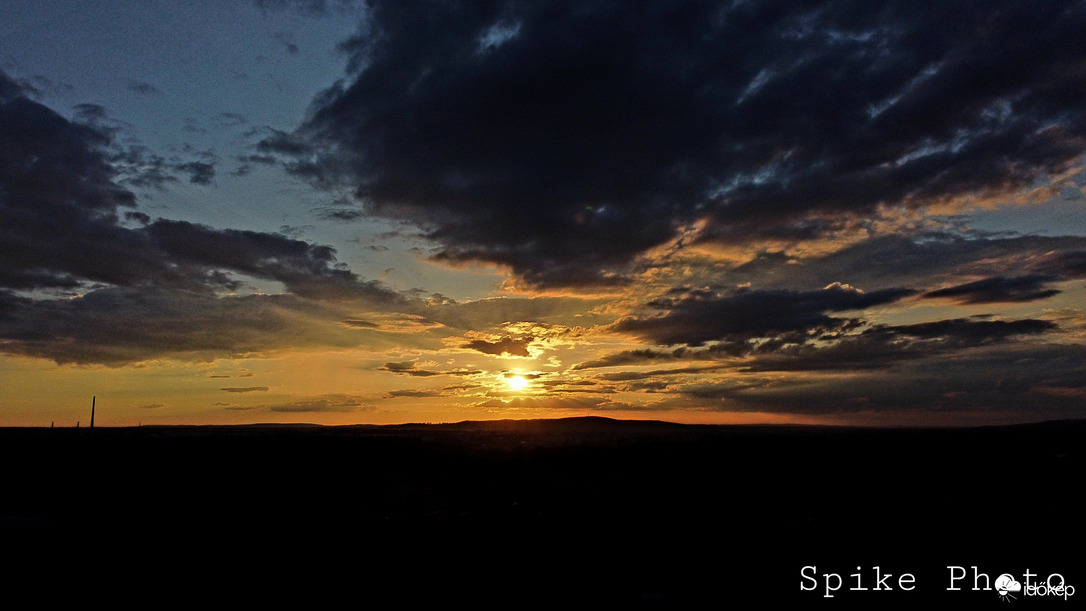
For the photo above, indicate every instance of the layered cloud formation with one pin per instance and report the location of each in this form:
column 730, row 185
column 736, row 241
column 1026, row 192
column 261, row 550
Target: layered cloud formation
column 566, row 140
column 145, row 287
column 702, row 206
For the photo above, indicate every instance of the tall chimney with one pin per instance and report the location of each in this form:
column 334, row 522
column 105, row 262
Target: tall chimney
column 92, row 412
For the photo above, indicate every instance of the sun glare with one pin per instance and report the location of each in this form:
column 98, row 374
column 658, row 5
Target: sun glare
column 516, row 382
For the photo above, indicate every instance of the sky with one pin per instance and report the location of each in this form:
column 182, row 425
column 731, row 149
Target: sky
column 338, row 212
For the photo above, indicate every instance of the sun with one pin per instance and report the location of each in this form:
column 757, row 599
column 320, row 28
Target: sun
column 516, row 382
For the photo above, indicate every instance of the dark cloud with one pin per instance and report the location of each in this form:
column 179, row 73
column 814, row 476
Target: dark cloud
column 1067, row 263
column 10, row 89
column 246, row 389
column 58, row 199
column 325, row 404
column 857, row 349
column 410, row 368
column 407, row 368
column 246, row 162
column 138, row 167
column 882, row 346
column 414, row 393
column 1034, row 382
column 200, row 172
column 139, row 217
column 274, row 141
column 96, row 116
column 261, row 159
column 340, row 214
column 38, row 86
column 117, row 326
column 699, row 316
column 498, row 312
column 63, row 205
column 631, row 357
column 998, row 289
column 627, row 376
column 506, row 345
column 964, row 365
column 142, row 88
column 563, row 140
column 134, row 164
column 306, row 269
column 927, row 259
column 972, row 331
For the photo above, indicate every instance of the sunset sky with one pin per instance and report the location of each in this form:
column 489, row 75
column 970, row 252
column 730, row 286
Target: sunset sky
column 335, row 212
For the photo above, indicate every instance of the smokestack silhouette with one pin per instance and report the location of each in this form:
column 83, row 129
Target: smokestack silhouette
column 92, row 412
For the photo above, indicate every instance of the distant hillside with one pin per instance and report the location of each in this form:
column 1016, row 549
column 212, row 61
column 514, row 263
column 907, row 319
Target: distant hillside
column 631, row 508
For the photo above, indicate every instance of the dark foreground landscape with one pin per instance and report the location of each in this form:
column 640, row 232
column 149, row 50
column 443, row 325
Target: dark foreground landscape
column 566, row 511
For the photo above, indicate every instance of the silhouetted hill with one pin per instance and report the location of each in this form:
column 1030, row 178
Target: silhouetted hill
column 515, row 511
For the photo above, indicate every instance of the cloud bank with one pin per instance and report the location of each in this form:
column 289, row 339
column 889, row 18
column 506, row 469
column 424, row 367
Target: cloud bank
column 565, row 140
column 134, row 287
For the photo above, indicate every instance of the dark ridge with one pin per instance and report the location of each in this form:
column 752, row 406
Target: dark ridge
column 575, row 423
column 519, row 512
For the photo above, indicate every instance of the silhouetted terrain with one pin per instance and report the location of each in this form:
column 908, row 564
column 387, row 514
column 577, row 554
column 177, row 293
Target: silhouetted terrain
column 518, row 511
